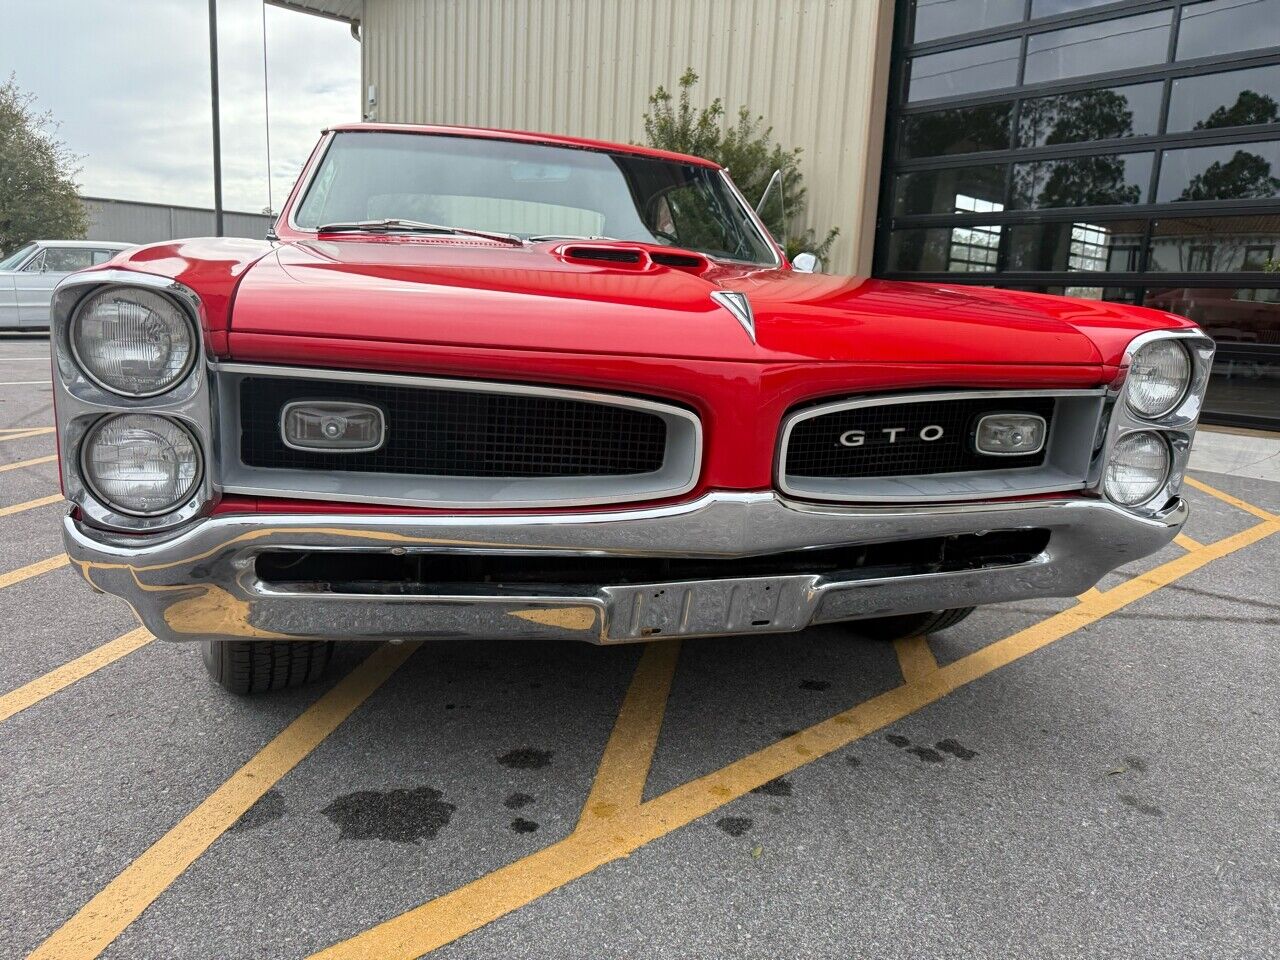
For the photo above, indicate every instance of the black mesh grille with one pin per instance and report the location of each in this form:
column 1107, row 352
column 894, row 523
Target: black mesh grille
column 815, row 449
column 459, row 433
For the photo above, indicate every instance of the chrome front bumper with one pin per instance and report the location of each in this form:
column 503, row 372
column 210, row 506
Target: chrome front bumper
column 200, row 583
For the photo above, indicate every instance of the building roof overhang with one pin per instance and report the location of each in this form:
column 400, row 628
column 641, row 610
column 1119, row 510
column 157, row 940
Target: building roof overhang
column 349, row 11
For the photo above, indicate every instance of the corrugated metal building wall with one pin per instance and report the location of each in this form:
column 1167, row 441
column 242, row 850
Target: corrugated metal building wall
column 816, row 69
column 133, row 222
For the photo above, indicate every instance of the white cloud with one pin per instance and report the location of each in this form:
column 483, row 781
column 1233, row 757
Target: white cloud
column 129, row 84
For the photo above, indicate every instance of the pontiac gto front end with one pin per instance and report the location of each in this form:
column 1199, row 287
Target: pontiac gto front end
column 581, row 394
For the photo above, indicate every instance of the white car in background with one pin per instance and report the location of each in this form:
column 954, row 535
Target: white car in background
column 29, row 274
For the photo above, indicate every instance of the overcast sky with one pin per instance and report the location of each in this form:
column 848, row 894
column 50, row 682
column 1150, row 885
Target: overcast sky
column 129, row 83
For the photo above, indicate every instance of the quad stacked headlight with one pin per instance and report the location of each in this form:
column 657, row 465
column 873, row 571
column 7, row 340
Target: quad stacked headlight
column 133, row 342
column 1155, row 418
column 133, row 403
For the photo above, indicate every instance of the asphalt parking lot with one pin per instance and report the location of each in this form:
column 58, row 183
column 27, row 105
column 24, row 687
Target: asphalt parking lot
column 1075, row 778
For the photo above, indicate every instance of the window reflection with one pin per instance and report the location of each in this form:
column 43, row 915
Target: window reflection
column 1119, row 178
column 946, row 18
column 945, row 249
column 988, row 66
column 1106, row 247
column 1236, row 99
column 1052, row 8
column 1244, row 171
column 963, row 130
column 1224, row 26
column 935, row 191
column 1099, row 47
column 1132, row 111
column 1245, row 321
column 1215, row 244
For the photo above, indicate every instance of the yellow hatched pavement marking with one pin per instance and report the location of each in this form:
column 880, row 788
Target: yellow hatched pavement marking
column 122, row 901
column 30, row 505
column 28, row 463
column 32, row 693
column 23, row 434
column 1228, row 498
column 624, row 766
column 443, row 920
column 32, row 570
column 4, row 430
column 1186, row 543
column 915, row 658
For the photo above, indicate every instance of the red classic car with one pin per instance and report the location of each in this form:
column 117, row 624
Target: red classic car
column 495, row 384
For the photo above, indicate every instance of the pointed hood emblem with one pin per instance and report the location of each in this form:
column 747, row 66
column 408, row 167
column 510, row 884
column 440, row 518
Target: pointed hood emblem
column 738, row 304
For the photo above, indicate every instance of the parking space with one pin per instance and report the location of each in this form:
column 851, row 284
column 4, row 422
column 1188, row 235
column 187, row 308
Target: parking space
column 1084, row 777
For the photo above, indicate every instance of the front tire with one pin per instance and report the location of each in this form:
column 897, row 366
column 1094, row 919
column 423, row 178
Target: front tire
column 261, row 666
column 910, row 624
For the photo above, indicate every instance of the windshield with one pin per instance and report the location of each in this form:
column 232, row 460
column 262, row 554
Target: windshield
column 12, row 260
column 529, row 190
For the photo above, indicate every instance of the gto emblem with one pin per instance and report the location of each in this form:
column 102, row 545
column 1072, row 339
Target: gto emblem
column 856, row 438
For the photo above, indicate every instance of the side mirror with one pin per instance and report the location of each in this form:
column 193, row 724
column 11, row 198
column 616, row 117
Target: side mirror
column 806, row 263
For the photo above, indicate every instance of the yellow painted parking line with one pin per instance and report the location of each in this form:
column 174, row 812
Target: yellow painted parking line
column 32, row 570
column 446, row 918
column 122, row 901
column 32, row 693
column 4, row 430
column 27, row 463
column 23, row 434
column 1228, row 498
column 1186, row 543
column 30, row 505
column 624, row 767
column 915, row 658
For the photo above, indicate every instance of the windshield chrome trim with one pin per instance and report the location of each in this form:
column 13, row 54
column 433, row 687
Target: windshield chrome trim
column 305, row 187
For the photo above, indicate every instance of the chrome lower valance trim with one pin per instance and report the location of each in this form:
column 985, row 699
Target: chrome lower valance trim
column 201, row 584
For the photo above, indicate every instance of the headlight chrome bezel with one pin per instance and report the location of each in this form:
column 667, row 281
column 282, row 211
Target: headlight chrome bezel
column 1176, row 426
column 192, row 330
column 81, row 403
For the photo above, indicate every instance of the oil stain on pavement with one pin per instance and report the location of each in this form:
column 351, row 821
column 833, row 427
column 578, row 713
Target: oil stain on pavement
column 400, row 816
column 526, row 758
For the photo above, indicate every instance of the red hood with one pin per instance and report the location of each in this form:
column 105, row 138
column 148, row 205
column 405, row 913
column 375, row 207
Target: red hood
column 474, row 293
column 477, row 293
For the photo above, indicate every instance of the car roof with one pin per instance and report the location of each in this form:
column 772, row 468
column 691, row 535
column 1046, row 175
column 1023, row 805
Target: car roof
column 523, row 136
column 93, row 244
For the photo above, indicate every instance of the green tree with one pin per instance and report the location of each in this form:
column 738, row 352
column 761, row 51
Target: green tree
column 1250, row 108
column 746, row 149
column 1246, row 176
column 38, row 192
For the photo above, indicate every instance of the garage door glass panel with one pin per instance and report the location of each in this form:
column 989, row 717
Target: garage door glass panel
column 989, row 66
column 1236, row 99
column 1054, row 8
column 950, row 190
column 961, row 249
column 963, row 130
column 946, row 18
column 1235, row 171
column 1088, row 246
column 1107, row 114
column 1106, row 180
column 1215, row 244
column 1098, row 47
column 1226, row 26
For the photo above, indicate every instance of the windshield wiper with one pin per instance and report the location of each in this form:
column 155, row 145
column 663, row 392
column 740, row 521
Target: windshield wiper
column 395, row 225
column 568, row 236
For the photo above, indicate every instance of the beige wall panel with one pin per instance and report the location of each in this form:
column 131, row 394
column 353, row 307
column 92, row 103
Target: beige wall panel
column 816, row 69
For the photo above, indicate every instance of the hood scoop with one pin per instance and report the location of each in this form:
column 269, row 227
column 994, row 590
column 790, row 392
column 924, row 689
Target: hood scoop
column 634, row 258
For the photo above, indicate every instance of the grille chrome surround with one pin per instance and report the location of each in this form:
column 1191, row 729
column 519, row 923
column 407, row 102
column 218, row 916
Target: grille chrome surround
column 1062, row 466
column 676, row 473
